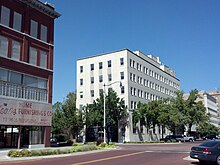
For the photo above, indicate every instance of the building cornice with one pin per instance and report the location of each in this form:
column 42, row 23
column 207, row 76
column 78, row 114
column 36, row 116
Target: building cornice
column 45, row 8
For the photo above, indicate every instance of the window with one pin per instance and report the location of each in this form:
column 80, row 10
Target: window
column 109, row 77
column 131, row 91
column 43, row 59
column 137, row 66
column 92, row 93
column 33, row 56
column 3, row 74
column 30, row 81
column 17, row 21
column 100, row 78
column 34, row 25
column 134, row 91
column 3, row 46
column 16, row 47
column 122, row 89
column 122, row 75
column 81, row 95
column 92, row 80
column 141, row 80
column 131, row 62
column 42, row 83
column 15, row 78
column 131, row 76
column 109, row 63
column 132, row 105
column 81, row 69
column 5, row 16
column 43, row 34
column 122, row 61
column 91, row 67
column 100, row 65
column 81, row 81
column 134, row 78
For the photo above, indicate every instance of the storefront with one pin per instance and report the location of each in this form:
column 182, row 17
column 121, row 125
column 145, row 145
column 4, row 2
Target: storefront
column 24, row 124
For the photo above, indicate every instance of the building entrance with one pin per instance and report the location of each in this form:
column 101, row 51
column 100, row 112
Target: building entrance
column 30, row 135
column 8, row 136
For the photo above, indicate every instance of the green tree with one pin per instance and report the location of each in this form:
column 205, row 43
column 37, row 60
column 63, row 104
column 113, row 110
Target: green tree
column 57, row 119
column 195, row 111
column 177, row 110
column 206, row 128
column 116, row 112
column 72, row 117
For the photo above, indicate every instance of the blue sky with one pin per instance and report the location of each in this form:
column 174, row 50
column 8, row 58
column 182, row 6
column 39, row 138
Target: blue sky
column 185, row 34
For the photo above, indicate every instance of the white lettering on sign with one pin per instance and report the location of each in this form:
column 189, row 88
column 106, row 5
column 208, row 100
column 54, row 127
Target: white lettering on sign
column 15, row 112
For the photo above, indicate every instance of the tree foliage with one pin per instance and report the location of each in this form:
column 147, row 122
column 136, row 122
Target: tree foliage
column 173, row 113
column 67, row 117
column 116, row 112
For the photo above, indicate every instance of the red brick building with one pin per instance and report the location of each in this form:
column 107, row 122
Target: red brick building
column 26, row 72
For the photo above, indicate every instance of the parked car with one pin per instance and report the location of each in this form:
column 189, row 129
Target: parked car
column 209, row 151
column 172, row 138
column 53, row 142
column 210, row 136
column 185, row 138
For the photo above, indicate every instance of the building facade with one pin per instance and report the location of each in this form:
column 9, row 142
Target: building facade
column 142, row 77
column 211, row 104
column 216, row 94
column 26, row 72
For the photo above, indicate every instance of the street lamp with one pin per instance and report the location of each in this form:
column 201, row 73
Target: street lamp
column 104, row 106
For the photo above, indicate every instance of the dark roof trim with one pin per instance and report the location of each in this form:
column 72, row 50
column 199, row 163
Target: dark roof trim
column 133, row 54
column 42, row 7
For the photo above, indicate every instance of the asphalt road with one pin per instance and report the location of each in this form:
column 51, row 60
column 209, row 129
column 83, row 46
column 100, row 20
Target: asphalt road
column 149, row 154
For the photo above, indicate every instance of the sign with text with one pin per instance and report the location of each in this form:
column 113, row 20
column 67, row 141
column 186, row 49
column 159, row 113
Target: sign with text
column 19, row 112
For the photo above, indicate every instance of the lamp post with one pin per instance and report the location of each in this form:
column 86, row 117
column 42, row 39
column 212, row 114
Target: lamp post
column 104, row 107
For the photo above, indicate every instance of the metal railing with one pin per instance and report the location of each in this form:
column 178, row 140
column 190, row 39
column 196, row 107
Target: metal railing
column 25, row 92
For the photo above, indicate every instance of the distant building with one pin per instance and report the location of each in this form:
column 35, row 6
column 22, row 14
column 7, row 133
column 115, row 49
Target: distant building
column 211, row 106
column 216, row 94
column 26, row 72
column 143, row 78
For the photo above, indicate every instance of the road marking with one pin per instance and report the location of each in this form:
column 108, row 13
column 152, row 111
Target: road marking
column 109, row 158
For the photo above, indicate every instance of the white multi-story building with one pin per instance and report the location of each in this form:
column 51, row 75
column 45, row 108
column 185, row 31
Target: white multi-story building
column 211, row 105
column 143, row 78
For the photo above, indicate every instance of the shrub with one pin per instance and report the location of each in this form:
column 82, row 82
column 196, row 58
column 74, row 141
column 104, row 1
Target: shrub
column 19, row 153
column 83, row 148
column 25, row 153
column 77, row 144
